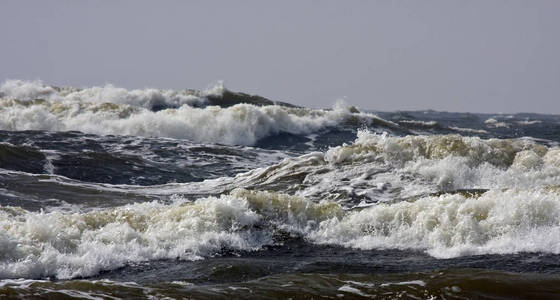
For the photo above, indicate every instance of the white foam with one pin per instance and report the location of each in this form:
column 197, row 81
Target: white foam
column 399, row 150
column 20, row 283
column 30, row 90
column 411, row 282
column 469, row 130
column 420, row 123
column 352, row 290
column 68, row 245
column 110, row 110
column 498, row 222
column 242, row 124
column 493, row 123
column 378, row 168
column 529, row 122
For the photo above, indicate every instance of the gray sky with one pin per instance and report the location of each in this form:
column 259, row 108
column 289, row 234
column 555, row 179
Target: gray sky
column 479, row 56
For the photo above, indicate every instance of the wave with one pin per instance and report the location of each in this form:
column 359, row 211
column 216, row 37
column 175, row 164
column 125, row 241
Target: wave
column 241, row 124
column 529, row 122
column 452, row 162
column 126, row 160
column 374, row 168
column 23, row 158
column 147, row 98
column 493, row 123
column 420, row 124
column 423, row 127
column 383, row 168
column 37, row 245
column 498, row 152
column 69, row 245
column 497, row 222
column 468, row 130
column 116, row 111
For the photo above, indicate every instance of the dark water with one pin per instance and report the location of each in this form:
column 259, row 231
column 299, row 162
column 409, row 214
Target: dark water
column 193, row 195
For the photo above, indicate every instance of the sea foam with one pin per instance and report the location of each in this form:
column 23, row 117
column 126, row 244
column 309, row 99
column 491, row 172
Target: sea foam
column 381, row 168
column 109, row 110
column 498, row 222
column 68, row 245
column 147, row 98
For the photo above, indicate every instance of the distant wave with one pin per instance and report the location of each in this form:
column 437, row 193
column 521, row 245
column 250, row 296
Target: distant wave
column 468, row 130
column 241, row 124
column 419, row 123
column 149, row 98
column 493, row 123
column 529, row 122
column 215, row 115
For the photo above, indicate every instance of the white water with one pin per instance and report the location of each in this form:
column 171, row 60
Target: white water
column 109, row 110
column 147, row 98
column 499, row 222
column 380, row 168
column 67, row 245
column 520, row 213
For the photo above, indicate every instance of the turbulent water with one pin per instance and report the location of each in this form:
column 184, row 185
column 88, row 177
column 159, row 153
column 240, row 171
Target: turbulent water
column 114, row 193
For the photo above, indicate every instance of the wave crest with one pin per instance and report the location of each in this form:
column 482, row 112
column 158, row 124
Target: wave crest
column 226, row 117
column 82, row 244
column 497, row 222
column 241, row 124
column 372, row 146
column 67, row 245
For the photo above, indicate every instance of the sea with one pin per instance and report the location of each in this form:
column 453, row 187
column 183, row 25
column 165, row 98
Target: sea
column 113, row 193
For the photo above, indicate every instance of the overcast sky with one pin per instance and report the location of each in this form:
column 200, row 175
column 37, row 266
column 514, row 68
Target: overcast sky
column 478, row 56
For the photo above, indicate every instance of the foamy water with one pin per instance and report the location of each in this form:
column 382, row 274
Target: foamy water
column 110, row 192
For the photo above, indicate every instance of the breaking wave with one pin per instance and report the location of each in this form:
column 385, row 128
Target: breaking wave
column 76, row 205
column 36, row 245
column 382, row 168
column 148, row 98
column 497, row 222
column 115, row 111
column 68, row 245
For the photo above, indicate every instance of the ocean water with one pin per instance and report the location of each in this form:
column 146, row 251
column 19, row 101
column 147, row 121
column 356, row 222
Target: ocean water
column 111, row 193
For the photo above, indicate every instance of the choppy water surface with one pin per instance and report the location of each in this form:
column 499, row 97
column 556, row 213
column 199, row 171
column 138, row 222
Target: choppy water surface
column 107, row 192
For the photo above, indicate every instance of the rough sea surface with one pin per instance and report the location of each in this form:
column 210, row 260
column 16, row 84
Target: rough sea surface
column 111, row 193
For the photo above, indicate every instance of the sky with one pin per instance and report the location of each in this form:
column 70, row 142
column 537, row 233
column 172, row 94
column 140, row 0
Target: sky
column 475, row 56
